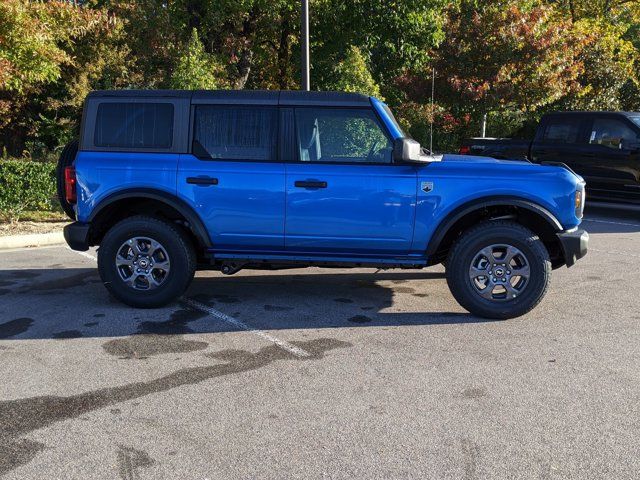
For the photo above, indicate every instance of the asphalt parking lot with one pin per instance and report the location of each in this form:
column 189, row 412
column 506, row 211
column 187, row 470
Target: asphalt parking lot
column 321, row 374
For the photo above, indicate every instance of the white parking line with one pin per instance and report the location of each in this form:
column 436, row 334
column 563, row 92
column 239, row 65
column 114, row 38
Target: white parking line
column 298, row 352
column 23, row 249
column 613, row 252
column 610, row 222
column 84, row 254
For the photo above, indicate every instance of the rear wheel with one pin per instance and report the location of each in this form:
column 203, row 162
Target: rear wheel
column 146, row 262
column 67, row 157
column 499, row 269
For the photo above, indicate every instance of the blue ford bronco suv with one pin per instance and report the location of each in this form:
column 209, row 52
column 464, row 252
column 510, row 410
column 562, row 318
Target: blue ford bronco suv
column 169, row 182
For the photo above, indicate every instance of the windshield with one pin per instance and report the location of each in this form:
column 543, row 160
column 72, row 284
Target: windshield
column 635, row 120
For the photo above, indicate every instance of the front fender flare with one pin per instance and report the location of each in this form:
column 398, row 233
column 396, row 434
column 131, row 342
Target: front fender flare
column 459, row 212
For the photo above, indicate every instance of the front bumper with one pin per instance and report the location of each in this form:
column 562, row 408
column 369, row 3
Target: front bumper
column 574, row 245
column 77, row 236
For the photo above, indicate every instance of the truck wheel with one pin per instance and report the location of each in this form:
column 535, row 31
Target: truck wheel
column 498, row 269
column 146, row 262
column 67, row 157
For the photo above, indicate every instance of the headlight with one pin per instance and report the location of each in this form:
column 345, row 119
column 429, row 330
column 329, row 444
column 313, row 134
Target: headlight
column 579, row 201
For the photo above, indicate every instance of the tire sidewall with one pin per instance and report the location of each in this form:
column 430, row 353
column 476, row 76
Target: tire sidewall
column 179, row 275
column 462, row 287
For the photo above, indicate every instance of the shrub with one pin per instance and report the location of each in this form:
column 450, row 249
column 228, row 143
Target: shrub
column 26, row 185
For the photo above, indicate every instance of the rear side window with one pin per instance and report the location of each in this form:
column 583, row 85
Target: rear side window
column 566, row 130
column 235, row 133
column 134, row 125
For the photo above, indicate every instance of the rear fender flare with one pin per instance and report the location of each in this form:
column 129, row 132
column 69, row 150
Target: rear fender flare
column 176, row 203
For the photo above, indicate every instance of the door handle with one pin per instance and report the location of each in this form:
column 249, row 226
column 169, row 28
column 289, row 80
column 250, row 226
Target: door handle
column 202, row 181
column 310, row 184
column 589, row 154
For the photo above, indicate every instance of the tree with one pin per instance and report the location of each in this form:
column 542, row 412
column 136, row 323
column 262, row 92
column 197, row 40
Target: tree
column 254, row 37
column 498, row 57
column 195, row 68
column 610, row 31
column 608, row 62
column 40, row 44
column 392, row 36
column 601, row 9
column 351, row 74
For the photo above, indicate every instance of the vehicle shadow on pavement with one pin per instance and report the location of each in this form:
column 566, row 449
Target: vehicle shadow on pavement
column 72, row 303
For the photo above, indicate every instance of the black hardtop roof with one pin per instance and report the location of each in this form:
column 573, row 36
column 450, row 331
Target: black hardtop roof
column 250, row 97
column 600, row 112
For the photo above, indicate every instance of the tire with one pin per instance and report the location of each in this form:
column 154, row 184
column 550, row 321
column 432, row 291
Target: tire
column 67, row 157
column 476, row 291
column 171, row 266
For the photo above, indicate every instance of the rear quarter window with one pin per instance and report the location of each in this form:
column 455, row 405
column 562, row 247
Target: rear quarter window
column 134, row 125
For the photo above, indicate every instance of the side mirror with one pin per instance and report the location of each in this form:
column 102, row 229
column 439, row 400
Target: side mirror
column 408, row 150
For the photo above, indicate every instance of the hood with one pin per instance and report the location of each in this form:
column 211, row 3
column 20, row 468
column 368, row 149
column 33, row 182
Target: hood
column 450, row 157
column 484, row 163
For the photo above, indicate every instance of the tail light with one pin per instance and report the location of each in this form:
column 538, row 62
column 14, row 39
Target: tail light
column 70, row 184
column 465, row 150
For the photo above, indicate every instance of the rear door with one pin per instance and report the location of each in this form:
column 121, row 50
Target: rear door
column 345, row 196
column 562, row 138
column 233, row 178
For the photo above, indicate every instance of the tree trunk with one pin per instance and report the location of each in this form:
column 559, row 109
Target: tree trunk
column 245, row 56
column 195, row 13
column 244, row 67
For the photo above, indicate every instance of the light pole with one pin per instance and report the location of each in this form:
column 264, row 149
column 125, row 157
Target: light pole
column 305, row 45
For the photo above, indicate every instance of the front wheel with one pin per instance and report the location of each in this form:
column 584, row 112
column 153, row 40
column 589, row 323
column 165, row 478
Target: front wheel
column 498, row 270
column 146, row 262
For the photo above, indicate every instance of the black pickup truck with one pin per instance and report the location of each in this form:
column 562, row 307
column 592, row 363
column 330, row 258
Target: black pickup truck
column 602, row 147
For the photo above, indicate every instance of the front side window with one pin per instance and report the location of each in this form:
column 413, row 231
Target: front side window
column 612, row 133
column 235, row 133
column 134, row 125
column 562, row 131
column 341, row 136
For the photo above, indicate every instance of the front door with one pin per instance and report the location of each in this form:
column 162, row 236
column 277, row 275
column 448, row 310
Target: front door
column 345, row 196
column 612, row 167
column 233, row 178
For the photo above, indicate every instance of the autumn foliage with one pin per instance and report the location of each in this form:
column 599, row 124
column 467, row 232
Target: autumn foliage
column 512, row 60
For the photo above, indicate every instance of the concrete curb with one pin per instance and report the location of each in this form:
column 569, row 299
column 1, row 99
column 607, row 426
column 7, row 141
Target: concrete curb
column 31, row 240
